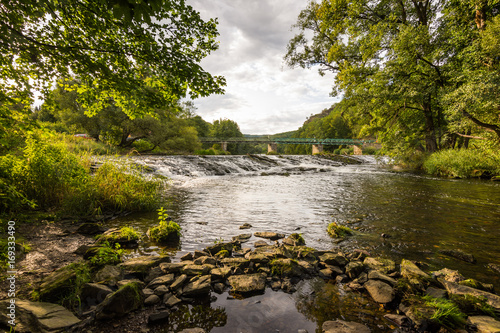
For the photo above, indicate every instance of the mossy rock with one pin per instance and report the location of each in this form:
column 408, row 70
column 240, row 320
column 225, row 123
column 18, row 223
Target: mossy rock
column 285, row 268
column 126, row 299
column 57, row 285
column 126, row 237
column 143, row 264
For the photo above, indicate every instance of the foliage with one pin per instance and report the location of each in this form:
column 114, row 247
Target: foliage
column 338, row 231
column 107, row 254
column 446, row 313
column 463, row 163
column 124, row 234
column 83, row 275
column 166, row 230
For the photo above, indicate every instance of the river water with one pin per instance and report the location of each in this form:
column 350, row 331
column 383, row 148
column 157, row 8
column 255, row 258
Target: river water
column 419, row 216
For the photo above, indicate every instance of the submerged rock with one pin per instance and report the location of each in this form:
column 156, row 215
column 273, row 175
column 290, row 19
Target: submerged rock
column 38, row 317
column 340, row 326
column 459, row 254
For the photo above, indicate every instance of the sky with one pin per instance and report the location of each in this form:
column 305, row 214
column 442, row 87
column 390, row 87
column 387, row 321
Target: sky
column 263, row 95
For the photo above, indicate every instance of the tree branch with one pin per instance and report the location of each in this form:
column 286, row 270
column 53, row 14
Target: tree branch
column 491, row 127
column 469, row 136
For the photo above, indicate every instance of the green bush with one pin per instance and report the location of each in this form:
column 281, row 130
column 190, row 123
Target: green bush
column 107, row 254
column 166, row 231
column 338, row 231
column 464, row 163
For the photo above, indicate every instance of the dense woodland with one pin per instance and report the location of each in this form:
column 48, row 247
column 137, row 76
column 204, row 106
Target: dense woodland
column 421, row 77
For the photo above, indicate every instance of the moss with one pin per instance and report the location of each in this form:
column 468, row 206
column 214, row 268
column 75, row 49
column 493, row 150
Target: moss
column 476, row 285
column 298, row 238
column 123, row 235
column 283, row 267
column 222, row 254
column 338, row 231
column 472, row 305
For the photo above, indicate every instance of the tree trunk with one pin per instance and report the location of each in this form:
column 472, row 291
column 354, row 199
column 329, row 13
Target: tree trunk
column 430, row 133
column 480, row 15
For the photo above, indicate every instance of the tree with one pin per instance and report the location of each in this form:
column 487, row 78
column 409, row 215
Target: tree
column 224, row 129
column 143, row 55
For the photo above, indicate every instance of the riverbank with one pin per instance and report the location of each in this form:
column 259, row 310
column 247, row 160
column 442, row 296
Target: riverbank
column 159, row 292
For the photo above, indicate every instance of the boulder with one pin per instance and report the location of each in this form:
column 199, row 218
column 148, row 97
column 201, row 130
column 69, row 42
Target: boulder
column 354, row 268
column 380, row 292
column 38, row 317
column 216, row 248
column 109, row 275
column 457, row 289
column 188, row 256
column 169, row 267
column 196, row 270
column 114, row 235
column 179, row 282
column 286, row 267
column 449, row 275
column 484, row 324
column 376, row 275
column 162, row 280
column 382, row 265
column 199, row 285
column 269, row 235
column 143, row 264
column 236, row 262
column 221, row 273
column 340, row 326
column 334, row 259
column 94, row 293
column 459, row 254
column 257, row 258
column 205, row 261
column 58, row 284
column 124, row 300
column 245, row 284
column 410, row 271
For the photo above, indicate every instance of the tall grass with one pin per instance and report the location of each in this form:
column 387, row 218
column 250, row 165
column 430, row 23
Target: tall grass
column 464, row 163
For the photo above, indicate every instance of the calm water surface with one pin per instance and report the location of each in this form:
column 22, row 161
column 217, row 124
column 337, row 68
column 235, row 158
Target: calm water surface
column 420, row 214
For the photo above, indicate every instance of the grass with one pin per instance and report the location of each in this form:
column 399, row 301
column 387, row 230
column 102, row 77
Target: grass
column 446, row 312
column 338, row 231
column 464, row 163
column 107, row 255
column 166, row 231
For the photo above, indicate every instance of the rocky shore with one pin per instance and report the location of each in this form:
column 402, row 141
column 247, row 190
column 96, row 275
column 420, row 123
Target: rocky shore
column 415, row 300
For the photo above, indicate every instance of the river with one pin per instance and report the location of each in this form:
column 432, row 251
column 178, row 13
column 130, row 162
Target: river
column 211, row 197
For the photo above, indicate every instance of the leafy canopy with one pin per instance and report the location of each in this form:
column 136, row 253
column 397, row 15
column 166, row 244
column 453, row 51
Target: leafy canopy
column 141, row 54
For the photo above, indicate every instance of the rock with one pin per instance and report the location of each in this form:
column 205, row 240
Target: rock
column 158, row 317
column 152, row 300
column 260, row 243
column 449, row 275
column 340, row 326
column 484, row 324
column 40, row 317
column 380, row 292
column 143, row 264
column 354, row 268
column 114, row 235
column 161, row 290
column 376, row 275
column 154, row 273
column 236, row 262
column 269, row 235
column 171, row 301
column 287, row 286
column 257, row 258
column 459, row 254
column 219, row 287
column 382, row 265
column 214, row 249
column 90, row 229
column 205, row 261
column 285, row 267
column 195, row 270
column 244, row 284
column 420, row 316
column 94, row 293
column 242, row 238
column 198, row 285
column 109, row 275
column 494, row 267
column 307, row 266
column 179, row 282
column 58, row 284
column 334, row 259
column 124, row 300
column 147, row 292
column 192, row 330
column 435, row 292
column 245, row 226
column 341, row 278
column 399, row 320
column 169, row 267
column 187, row 256
column 162, row 280
column 121, row 283
column 456, row 289
column 221, row 273
column 198, row 254
column 293, row 240
column 409, row 270
column 327, row 273
column 276, row 285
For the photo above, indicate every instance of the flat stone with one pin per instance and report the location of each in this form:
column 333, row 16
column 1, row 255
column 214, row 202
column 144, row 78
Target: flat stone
column 340, row 326
column 251, row 283
column 409, row 270
column 57, row 284
column 485, row 324
column 236, row 262
column 457, row 289
column 38, row 316
column 216, row 248
column 376, row 275
column 109, row 274
column 220, row 273
column 162, row 280
column 161, row 290
column 399, row 320
column 380, row 292
column 179, row 282
column 242, row 238
column 121, row 283
column 152, row 300
column 269, row 235
column 171, row 301
column 382, row 265
column 169, row 267
column 192, row 330
column 142, row 264
column 257, row 258
column 147, row 292
column 334, row 259
column 205, row 260
column 260, row 243
column 449, row 275
column 195, row 270
column 198, row 286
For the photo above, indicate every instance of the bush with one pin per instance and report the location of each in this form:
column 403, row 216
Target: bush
column 338, row 231
column 464, row 163
column 107, row 254
column 166, row 231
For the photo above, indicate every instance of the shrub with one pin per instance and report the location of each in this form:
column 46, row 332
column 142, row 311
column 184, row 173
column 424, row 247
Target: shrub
column 166, row 231
column 463, row 163
column 107, row 254
column 338, row 231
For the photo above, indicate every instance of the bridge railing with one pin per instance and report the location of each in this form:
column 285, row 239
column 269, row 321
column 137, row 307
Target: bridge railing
column 305, row 141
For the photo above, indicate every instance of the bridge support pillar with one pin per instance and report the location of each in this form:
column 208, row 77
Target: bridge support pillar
column 272, row 147
column 357, row 150
column 223, row 146
column 317, row 149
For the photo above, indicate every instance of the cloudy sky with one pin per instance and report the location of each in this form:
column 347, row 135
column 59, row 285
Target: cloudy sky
column 263, row 95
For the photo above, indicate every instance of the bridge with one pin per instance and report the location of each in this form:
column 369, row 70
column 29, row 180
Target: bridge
column 272, row 143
